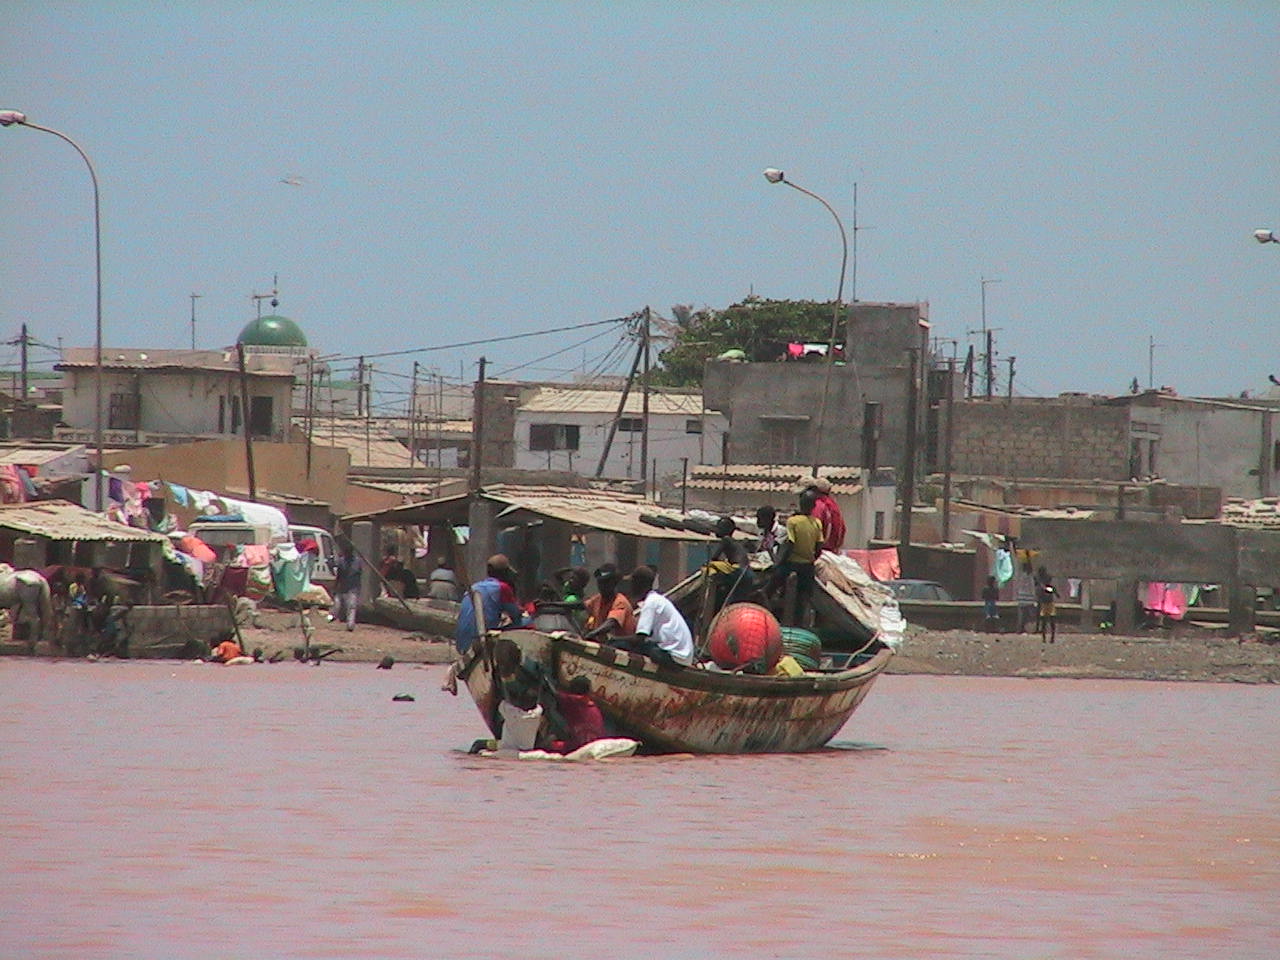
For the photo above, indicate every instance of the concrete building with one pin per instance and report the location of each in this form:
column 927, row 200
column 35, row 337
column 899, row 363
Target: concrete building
column 166, row 396
column 773, row 408
column 555, row 426
column 567, row 428
column 1232, row 445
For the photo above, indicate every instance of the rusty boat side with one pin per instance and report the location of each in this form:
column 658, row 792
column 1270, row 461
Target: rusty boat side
column 686, row 709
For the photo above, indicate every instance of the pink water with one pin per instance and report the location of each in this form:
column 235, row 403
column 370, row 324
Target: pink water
column 177, row 811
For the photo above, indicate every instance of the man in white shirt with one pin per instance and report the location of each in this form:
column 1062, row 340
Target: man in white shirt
column 661, row 631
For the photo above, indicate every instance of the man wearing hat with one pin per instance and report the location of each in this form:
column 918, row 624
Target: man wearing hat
column 827, row 512
column 609, row 612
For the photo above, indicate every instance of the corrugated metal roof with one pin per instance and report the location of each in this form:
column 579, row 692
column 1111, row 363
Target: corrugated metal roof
column 598, row 509
column 36, row 455
column 368, row 444
column 220, row 361
column 61, row 520
column 569, row 400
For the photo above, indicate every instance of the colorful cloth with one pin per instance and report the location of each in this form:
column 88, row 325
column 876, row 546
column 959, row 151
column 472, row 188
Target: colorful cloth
column 882, row 564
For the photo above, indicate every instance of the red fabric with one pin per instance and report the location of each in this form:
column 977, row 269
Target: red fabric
column 193, row 546
column 309, row 545
column 582, row 717
column 881, row 564
column 828, row 512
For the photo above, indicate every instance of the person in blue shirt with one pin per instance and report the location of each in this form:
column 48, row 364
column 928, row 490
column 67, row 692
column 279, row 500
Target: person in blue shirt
column 497, row 601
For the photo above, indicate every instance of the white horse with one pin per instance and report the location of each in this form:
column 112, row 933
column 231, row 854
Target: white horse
column 25, row 594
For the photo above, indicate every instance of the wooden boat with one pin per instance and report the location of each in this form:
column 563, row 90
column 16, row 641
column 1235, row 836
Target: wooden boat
column 438, row 618
column 673, row 709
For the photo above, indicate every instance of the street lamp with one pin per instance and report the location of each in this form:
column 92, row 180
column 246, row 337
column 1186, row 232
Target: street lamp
column 9, row 118
column 774, row 175
column 1266, row 236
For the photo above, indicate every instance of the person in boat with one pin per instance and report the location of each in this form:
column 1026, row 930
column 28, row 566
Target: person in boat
column 773, row 534
column 827, row 512
column 499, row 610
column 228, row 649
column 728, row 566
column 804, row 543
column 583, row 721
column 443, row 582
column 499, row 606
column 610, row 611
column 661, row 631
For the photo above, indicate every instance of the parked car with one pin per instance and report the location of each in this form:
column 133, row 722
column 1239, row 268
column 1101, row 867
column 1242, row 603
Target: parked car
column 919, row 590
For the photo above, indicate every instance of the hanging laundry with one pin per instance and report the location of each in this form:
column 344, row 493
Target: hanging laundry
column 881, row 564
column 1002, row 566
column 179, row 493
column 291, row 570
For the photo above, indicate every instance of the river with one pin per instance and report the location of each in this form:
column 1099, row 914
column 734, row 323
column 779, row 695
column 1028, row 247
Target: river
column 187, row 811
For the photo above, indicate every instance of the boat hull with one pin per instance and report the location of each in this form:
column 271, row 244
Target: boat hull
column 684, row 710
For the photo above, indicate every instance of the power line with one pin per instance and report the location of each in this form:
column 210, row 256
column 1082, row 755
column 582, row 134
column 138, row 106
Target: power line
column 487, row 340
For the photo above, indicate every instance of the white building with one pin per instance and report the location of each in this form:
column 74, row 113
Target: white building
column 566, row 428
column 167, row 396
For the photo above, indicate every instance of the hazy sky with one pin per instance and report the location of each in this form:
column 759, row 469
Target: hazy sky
column 466, row 170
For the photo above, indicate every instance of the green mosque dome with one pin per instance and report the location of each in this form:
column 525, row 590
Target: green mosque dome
column 272, row 331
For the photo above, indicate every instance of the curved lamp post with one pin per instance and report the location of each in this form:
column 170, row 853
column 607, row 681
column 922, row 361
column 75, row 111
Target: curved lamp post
column 1266, row 236
column 14, row 117
column 773, row 175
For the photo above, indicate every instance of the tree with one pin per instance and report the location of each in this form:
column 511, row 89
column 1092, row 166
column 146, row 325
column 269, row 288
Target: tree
column 760, row 328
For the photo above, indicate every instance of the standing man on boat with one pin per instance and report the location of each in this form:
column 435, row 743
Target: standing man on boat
column 804, row 543
column 497, row 595
column 610, row 610
column 827, row 512
column 661, row 631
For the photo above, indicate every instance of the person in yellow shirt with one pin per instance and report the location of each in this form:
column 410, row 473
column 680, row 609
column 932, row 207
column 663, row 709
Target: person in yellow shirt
column 804, row 543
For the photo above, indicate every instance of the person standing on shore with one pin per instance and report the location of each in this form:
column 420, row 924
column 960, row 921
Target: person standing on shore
column 1024, row 594
column 1048, row 608
column 346, row 587
column 990, row 605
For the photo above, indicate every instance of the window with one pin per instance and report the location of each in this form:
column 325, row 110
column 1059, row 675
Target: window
column 784, row 440
column 123, row 412
column 553, row 436
column 260, row 416
column 630, row 425
column 693, row 426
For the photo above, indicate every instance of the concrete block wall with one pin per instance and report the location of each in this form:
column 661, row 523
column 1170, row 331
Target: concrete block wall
column 1069, row 441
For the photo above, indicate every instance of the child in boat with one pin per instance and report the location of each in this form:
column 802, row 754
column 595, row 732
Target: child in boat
column 582, row 718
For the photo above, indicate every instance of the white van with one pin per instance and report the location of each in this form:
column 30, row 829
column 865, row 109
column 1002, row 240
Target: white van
column 218, row 534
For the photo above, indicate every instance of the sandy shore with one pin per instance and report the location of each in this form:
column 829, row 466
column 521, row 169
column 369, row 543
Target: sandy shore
column 949, row 652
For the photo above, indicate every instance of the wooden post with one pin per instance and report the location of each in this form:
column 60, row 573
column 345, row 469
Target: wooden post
column 477, row 429
column 246, row 425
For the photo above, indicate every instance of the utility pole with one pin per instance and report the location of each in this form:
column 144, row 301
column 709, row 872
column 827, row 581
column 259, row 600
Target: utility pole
column 1151, row 363
column 948, row 415
column 246, row 425
column 413, row 414
column 986, row 336
column 477, row 429
column 990, row 364
column 908, row 489
column 622, row 405
column 194, row 298
column 24, row 341
column 1009, row 396
column 644, row 408
column 968, row 374
column 310, row 395
column 360, row 387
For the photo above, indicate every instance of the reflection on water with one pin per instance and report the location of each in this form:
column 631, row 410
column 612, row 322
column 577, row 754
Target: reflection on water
column 183, row 811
